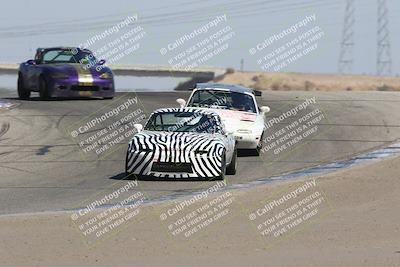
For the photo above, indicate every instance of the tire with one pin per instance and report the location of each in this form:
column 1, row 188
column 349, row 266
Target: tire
column 231, row 169
column 43, row 90
column 259, row 147
column 126, row 163
column 129, row 175
column 22, row 92
column 223, row 169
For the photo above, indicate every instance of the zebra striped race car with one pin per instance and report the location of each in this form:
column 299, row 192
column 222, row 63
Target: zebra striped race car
column 182, row 143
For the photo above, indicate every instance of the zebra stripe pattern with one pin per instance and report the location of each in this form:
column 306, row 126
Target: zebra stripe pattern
column 177, row 154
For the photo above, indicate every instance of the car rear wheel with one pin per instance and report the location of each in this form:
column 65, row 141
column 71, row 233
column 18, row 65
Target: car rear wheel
column 23, row 93
column 43, row 90
column 231, row 169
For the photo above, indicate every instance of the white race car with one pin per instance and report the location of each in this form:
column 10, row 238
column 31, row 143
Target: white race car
column 238, row 109
column 182, row 143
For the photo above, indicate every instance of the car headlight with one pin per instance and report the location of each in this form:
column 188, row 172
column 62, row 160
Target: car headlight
column 106, row 75
column 59, row 75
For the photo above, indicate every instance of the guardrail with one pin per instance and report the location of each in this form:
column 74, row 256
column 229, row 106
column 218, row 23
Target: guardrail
column 144, row 71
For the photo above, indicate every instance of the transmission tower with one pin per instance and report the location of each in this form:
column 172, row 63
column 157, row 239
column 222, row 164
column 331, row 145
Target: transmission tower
column 384, row 58
column 346, row 52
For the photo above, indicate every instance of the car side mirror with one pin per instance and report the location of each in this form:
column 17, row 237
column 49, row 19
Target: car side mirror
column 31, row 62
column 257, row 93
column 181, row 102
column 265, row 109
column 138, row 127
column 102, row 62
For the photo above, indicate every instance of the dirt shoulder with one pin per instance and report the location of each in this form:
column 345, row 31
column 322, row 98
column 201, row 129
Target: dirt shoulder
column 356, row 224
column 310, row 82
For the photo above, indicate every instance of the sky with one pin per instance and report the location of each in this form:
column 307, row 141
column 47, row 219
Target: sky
column 26, row 25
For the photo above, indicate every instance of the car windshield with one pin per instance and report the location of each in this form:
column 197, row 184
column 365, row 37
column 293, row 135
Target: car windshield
column 223, row 100
column 182, row 122
column 67, row 56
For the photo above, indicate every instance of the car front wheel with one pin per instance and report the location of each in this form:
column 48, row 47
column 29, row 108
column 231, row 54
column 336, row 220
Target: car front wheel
column 23, row 93
column 223, row 168
column 43, row 90
column 260, row 145
column 231, row 169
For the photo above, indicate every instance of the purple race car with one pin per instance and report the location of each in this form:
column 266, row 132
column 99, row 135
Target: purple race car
column 65, row 72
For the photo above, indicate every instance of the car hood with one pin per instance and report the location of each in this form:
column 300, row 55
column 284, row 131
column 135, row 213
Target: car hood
column 240, row 120
column 75, row 70
column 174, row 140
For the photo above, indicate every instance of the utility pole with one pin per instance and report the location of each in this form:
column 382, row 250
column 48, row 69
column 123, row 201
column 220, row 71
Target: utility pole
column 384, row 57
column 346, row 52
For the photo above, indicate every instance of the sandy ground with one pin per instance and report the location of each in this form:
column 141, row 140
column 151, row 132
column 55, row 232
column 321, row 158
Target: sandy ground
column 311, row 82
column 357, row 224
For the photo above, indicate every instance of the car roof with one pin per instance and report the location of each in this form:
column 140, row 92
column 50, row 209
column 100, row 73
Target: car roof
column 231, row 87
column 61, row 48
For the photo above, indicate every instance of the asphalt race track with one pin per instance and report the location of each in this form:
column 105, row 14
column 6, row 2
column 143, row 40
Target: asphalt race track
column 42, row 169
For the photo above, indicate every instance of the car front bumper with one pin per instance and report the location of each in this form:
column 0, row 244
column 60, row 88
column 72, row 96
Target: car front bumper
column 247, row 141
column 199, row 166
column 102, row 88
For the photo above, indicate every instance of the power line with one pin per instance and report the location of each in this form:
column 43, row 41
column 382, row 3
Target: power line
column 235, row 9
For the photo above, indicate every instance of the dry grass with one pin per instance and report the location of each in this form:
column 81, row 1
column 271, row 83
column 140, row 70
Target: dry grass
column 311, row 82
